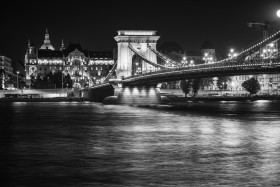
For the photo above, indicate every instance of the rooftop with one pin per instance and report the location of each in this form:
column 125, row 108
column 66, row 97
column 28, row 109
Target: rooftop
column 136, row 33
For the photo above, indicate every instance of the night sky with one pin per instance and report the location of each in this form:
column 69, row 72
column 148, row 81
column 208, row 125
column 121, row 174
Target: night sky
column 94, row 24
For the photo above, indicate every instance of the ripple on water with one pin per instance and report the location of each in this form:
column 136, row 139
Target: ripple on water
column 90, row 144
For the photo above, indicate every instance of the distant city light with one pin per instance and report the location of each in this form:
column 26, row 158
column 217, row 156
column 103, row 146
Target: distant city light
column 278, row 13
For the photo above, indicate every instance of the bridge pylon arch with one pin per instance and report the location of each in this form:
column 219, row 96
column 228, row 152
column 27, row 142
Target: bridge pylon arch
column 139, row 41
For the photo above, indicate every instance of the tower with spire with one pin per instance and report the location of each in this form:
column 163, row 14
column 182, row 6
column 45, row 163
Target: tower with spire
column 62, row 46
column 47, row 43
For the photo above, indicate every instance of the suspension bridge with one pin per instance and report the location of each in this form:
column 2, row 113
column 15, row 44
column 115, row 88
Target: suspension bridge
column 138, row 74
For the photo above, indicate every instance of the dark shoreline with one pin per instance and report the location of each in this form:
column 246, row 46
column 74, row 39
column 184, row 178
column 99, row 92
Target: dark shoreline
column 197, row 99
column 171, row 99
column 56, row 99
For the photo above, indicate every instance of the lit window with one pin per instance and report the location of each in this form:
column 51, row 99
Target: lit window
column 96, row 68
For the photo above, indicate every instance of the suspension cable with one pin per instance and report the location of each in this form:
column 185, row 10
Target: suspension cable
column 163, row 57
column 146, row 60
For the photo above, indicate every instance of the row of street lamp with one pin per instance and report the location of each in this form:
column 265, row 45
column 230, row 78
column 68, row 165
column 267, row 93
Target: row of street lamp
column 207, row 58
column 186, row 63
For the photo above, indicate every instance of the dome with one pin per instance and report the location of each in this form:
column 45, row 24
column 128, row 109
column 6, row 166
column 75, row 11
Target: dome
column 207, row 45
column 47, row 46
column 47, row 43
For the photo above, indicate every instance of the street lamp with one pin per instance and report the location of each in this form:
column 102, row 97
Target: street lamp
column 232, row 54
column 17, row 78
column 191, row 63
column 223, row 86
column 184, row 62
column 269, row 50
column 207, row 58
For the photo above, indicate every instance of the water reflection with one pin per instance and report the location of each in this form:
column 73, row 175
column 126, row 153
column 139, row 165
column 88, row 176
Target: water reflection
column 89, row 144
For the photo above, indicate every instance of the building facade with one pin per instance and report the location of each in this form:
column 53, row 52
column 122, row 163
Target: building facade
column 6, row 69
column 269, row 83
column 84, row 67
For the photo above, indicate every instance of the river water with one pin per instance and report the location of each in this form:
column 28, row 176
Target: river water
column 90, row 144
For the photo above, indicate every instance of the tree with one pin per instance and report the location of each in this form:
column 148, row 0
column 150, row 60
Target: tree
column 196, row 83
column 222, row 80
column 185, row 86
column 206, row 82
column 252, row 86
column 163, row 85
column 33, row 81
column 10, row 81
column 68, row 81
column 172, row 84
column 14, row 81
column 57, row 79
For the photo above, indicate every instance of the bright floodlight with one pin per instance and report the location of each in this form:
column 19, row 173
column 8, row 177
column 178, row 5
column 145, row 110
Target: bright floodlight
column 231, row 50
column 184, row 58
column 278, row 13
column 271, row 44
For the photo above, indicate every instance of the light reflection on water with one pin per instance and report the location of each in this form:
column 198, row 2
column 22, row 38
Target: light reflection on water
column 90, row 144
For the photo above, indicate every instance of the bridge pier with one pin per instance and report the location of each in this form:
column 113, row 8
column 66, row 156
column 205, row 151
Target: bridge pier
column 138, row 95
column 116, row 93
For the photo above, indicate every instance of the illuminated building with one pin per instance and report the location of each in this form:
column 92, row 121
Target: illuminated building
column 268, row 82
column 208, row 53
column 6, row 69
column 83, row 66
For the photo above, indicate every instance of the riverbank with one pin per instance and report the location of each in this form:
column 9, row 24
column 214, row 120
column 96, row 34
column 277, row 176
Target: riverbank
column 176, row 99
column 55, row 99
column 167, row 100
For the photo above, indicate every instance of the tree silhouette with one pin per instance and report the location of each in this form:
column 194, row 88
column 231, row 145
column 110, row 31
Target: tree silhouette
column 252, row 86
column 196, row 83
column 206, row 82
column 220, row 82
column 185, row 86
column 68, row 81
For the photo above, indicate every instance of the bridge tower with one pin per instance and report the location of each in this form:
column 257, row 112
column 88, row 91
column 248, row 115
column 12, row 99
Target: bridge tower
column 129, row 63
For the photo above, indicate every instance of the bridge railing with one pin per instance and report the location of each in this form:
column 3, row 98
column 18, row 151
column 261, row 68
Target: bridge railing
column 242, row 64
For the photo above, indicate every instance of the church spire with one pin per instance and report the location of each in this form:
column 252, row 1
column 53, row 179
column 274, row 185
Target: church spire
column 47, row 42
column 62, row 46
column 47, row 37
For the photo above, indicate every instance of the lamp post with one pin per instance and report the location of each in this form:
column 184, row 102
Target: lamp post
column 269, row 50
column 184, row 62
column 62, row 78
column 232, row 54
column 207, row 58
column 191, row 63
column 17, row 78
